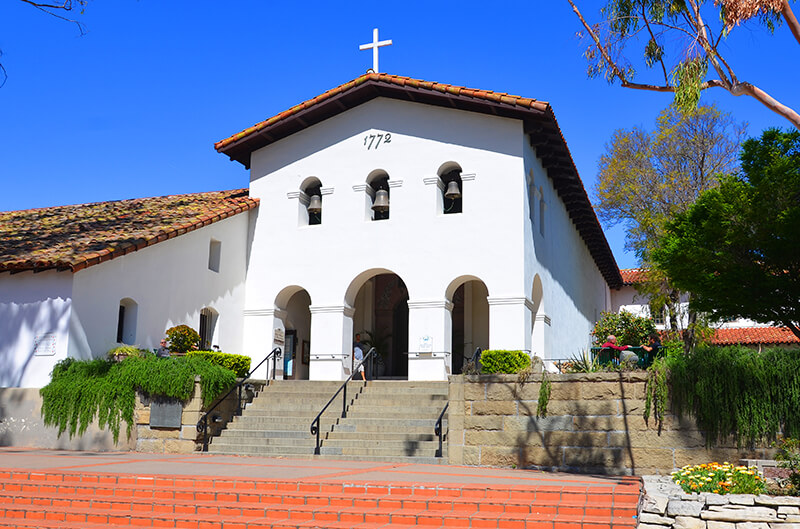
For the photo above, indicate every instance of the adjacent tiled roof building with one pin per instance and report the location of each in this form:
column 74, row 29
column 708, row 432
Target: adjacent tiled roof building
column 728, row 335
column 76, row 237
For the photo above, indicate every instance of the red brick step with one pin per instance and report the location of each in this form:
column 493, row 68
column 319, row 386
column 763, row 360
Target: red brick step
column 83, row 500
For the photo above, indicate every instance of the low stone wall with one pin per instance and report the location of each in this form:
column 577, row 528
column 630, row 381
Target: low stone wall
column 594, row 423
column 665, row 504
column 21, row 425
column 185, row 438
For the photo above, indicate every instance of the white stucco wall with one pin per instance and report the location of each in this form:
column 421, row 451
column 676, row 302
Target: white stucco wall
column 431, row 252
column 170, row 282
column 629, row 299
column 574, row 292
column 33, row 307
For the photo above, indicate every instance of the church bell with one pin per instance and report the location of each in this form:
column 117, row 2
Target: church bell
column 381, row 203
column 315, row 204
column 453, row 192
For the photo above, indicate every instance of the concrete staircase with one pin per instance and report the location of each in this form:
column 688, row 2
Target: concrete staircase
column 387, row 420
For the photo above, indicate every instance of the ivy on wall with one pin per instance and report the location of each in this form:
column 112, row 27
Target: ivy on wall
column 81, row 391
column 731, row 392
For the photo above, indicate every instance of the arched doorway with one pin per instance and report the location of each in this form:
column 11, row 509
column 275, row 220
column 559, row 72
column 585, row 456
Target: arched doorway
column 470, row 323
column 381, row 318
column 292, row 306
column 539, row 320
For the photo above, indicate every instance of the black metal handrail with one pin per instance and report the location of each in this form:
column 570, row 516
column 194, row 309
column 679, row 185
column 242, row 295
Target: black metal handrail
column 476, row 356
column 202, row 424
column 315, row 423
column 437, row 429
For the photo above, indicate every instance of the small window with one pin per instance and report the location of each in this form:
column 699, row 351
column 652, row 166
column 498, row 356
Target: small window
column 214, row 252
column 380, row 197
column 657, row 314
column 126, row 321
column 542, row 207
column 452, row 192
column 532, row 197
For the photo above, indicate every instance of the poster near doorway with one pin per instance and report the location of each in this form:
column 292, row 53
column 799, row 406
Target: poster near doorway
column 290, row 355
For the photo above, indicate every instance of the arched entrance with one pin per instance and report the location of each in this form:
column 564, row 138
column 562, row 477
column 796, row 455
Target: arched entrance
column 470, row 328
column 381, row 318
column 292, row 308
column 539, row 320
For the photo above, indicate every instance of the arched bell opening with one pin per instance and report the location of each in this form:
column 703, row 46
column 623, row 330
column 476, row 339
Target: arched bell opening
column 451, row 188
column 378, row 191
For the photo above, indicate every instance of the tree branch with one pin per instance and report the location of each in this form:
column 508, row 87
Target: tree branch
column 611, row 64
column 660, row 60
column 792, row 326
column 65, row 6
column 791, row 20
column 767, row 100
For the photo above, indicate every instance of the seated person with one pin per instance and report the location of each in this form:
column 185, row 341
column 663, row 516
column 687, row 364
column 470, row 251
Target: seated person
column 654, row 346
column 625, row 356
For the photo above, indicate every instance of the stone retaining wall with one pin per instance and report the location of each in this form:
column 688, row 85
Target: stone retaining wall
column 183, row 439
column 666, row 505
column 21, row 425
column 594, row 423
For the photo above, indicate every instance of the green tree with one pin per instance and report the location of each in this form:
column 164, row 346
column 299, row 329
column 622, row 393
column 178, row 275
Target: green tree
column 684, row 43
column 738, row 248
column 645, row 179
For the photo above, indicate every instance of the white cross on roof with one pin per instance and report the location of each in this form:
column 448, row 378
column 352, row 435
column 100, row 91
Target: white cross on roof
column 374, row 45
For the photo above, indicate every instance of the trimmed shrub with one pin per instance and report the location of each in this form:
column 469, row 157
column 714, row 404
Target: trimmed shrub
column 123, row 351
column 239, row 364
column 182, row 339
column 629, row 329
column 501, row 361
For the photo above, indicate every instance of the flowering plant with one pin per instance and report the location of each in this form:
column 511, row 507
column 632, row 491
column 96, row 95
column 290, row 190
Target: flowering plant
column 182, row 338
column 720, row 478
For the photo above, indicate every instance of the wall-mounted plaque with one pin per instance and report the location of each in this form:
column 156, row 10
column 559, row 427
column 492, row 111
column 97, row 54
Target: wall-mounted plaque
column 45, row 344
column 166, row 414
column 279, row 337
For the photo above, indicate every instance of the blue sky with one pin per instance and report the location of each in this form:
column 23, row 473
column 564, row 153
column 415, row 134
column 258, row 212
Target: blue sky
column 133, row 108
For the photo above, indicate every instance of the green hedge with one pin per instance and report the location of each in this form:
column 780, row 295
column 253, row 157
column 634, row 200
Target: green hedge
column 82, row 390
column 501, row 361
column 239, row 364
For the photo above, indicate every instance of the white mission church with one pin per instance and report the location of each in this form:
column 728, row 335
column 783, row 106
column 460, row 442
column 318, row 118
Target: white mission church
column 434, row 218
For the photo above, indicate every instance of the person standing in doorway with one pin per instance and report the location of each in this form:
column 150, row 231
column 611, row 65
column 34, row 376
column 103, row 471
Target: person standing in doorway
column 358, row 356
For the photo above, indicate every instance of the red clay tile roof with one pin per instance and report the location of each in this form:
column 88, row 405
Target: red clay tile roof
column 754, row 336
column 383, row 78
column 631, row 276
column 539, row 123
column 76, row 237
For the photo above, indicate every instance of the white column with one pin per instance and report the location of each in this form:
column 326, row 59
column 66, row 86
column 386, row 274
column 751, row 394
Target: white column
column 430, row 339
column 331, row 342
column 259, row 339
column 510, row 323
